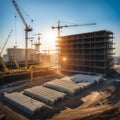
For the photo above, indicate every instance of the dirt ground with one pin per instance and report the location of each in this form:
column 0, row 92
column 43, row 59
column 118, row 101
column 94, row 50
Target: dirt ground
column 9, row 113
column 100, row 102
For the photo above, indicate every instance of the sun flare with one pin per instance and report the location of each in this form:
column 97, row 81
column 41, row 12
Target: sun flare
column 50, row 38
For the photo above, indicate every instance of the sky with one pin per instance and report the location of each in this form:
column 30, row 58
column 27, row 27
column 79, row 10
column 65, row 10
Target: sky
column 47, row 13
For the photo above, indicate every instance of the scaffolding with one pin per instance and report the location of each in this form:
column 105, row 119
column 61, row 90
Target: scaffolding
column 87, row 52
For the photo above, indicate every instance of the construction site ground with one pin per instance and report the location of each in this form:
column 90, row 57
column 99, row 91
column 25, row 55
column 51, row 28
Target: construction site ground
column 100, row 102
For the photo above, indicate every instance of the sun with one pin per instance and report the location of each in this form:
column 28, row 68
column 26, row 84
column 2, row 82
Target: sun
column 50, row 39
column 51, row 35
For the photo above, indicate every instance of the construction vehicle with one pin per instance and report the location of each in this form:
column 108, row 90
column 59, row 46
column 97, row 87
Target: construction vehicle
column 18, row 69
column 5, row 69
column 27, row 29
column 15, row 61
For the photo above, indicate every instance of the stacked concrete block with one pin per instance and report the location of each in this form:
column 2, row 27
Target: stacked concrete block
column 67, row 87
column 46, row 95
column 24, row 103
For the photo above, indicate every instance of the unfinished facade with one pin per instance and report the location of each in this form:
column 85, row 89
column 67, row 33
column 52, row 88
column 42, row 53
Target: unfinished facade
column 86, row 53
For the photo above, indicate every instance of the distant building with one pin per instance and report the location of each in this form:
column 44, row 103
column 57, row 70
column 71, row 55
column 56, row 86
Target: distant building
column 48, row 59
column 19, row 54
column 86, row 53
column 5, row 58
column 117, row 59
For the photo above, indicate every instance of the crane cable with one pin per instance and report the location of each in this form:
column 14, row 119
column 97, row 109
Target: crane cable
column 26, row 14
column 15, row 32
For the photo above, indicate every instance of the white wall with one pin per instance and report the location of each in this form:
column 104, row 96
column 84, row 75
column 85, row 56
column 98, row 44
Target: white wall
column 19, row 54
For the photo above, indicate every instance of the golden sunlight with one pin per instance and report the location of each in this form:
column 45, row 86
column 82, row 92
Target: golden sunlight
column 50, row 38
column 64, row 59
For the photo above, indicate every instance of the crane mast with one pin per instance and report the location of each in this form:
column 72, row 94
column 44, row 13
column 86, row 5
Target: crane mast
column 38, row 37
column 31, row 40
column 37, row 47
column 59, row 27
column 37, row 44
column 27, row 29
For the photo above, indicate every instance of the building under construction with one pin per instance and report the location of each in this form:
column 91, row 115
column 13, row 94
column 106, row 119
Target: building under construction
column 86, row 53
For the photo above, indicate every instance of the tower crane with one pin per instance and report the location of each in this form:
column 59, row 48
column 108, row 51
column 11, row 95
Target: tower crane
column 59, row 27
column 31, row 40
column 37, row 46
column 1, row 60
column 47, row 51
column 38, row 37
column 27, row 29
